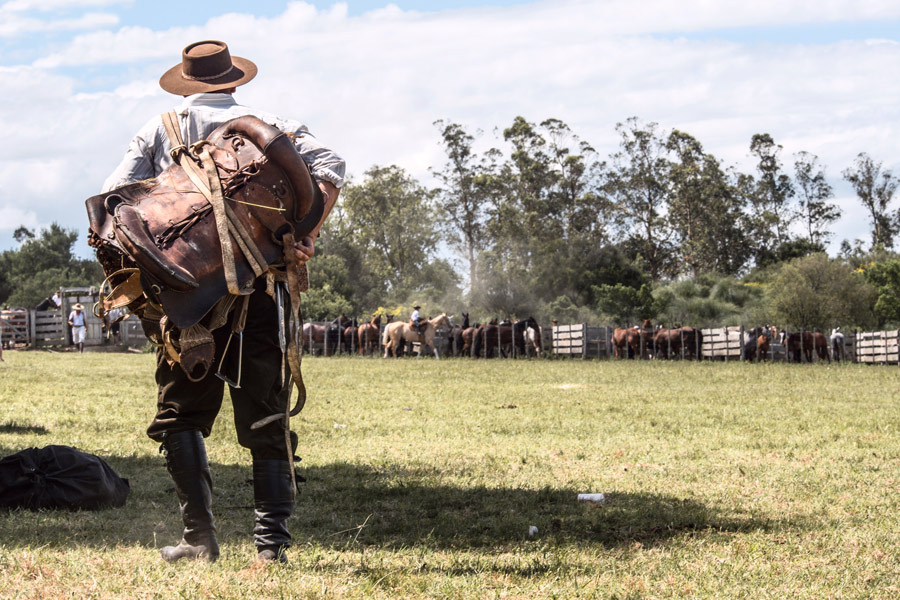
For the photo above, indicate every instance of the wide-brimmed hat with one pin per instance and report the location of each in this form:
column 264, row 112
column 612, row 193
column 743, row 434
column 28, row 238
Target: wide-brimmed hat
column 416, row 307
column 78, row 306
column 207, row 66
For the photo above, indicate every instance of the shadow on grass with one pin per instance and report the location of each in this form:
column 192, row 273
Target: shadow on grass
column 345, row 506
column 13, row 427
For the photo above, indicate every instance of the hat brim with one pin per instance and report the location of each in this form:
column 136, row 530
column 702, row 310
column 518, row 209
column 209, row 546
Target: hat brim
column 174, row 82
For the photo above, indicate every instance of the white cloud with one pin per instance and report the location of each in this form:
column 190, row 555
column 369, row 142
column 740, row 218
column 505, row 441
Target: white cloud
column 56, row 5
column 371, row 85
column 14, row 26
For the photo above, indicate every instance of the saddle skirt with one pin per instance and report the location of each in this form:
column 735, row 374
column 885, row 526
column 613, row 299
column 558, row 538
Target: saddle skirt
column 167, row 227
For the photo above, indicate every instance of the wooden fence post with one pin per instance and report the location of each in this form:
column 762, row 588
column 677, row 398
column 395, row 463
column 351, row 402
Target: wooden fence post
column 584, row 341
column 32, row 328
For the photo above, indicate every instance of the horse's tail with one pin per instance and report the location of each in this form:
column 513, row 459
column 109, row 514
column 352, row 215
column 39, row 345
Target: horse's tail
column 385, row 338
column 476, row 343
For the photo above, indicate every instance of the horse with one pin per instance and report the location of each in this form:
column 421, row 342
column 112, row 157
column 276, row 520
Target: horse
column 328, row 335
column 505, row 337
column 634, row 341
column 468, row 339
column 837, row 344
column 820, row 345
column 348, row 336
column 680, row 341
column 807, row 342
column 520, row 331
column 400, row 331
column 456, row 336
column 367, row 333
column 46, row 304
column 533, row 340
column 620, row 342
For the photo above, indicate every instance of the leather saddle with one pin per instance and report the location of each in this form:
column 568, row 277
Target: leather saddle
column 170, row 232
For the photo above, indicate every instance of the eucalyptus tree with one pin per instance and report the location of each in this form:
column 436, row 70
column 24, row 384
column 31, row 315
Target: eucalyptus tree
column 467, row 184
column 875, row 189
column 638, row 182
column 549, row 218
column 813, row 191
column 705, row 212
column 773, row 194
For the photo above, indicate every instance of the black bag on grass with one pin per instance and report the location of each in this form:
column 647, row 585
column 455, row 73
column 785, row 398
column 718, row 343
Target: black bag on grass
column 59, row 477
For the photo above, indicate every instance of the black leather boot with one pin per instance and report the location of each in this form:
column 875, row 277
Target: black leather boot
column 273, row 494
column 189, row 468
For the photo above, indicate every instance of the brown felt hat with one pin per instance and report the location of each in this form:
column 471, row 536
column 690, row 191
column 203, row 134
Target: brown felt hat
column 207, row 66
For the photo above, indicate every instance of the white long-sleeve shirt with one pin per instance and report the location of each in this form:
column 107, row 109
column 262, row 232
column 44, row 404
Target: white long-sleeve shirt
column 199, row 115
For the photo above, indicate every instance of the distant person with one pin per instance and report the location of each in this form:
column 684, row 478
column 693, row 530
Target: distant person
column 77, row 323
column 56, row 298
column 415, row 320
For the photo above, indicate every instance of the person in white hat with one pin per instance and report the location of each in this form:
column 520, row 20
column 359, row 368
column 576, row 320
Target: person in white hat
column 76, row 322
column 207, row 77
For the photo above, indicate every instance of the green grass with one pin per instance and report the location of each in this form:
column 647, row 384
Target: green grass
column 722, row 480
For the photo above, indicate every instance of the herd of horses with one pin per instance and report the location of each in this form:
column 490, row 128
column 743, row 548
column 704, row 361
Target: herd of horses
column 648, row 341
column 507, row 338
column 523, row 338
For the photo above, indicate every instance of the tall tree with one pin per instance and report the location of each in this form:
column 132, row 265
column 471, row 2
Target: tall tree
column 638, row 181
column 774, row 192
column 875, row 189
column 549, row 219
column 465, row 192
column 393, row 220
column 813, row 191
column 43, row 262
column 704, row 210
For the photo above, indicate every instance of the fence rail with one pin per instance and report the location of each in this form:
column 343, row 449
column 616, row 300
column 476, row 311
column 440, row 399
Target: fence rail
column 727, row 344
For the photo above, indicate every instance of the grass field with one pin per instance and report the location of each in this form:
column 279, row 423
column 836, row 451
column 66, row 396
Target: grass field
column 722, row 481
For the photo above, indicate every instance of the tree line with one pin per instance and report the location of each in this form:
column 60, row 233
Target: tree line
column 540, row 224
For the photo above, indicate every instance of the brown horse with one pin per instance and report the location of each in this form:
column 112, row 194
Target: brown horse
column 368, row 335
column 806, row 343
column 620, row 342
column 327, row 335
column 634, row 341
column 394, row 333
column 457, row 343
column 684, row 342
column 468, row 337
column 348, row 337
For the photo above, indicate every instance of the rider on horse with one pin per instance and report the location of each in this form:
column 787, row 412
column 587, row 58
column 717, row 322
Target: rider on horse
column 415, row 320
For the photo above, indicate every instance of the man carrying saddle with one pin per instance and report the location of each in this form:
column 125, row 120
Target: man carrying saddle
column 188, row 403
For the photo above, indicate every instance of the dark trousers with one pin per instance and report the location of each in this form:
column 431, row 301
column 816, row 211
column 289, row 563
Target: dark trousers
column 184, row 405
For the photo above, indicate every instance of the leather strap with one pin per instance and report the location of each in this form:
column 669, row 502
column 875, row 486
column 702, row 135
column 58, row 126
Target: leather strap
column 218, row 203
column 206, row 178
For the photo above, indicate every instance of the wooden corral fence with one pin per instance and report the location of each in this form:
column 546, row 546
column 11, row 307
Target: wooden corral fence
column 877, row 347
column 730, row 343
column 581, row 340
column 14, row 327
column 29, row 328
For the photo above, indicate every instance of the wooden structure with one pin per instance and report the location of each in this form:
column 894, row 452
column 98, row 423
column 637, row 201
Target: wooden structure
column 49, row 328
column 877, row 347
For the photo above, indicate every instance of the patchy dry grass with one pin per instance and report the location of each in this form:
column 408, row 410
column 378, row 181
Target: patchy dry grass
column 722, row 481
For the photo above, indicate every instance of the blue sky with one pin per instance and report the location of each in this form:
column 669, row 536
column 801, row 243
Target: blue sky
column 80, row 77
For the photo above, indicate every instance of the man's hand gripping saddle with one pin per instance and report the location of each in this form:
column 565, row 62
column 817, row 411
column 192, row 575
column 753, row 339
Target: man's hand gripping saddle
column 180, row 249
